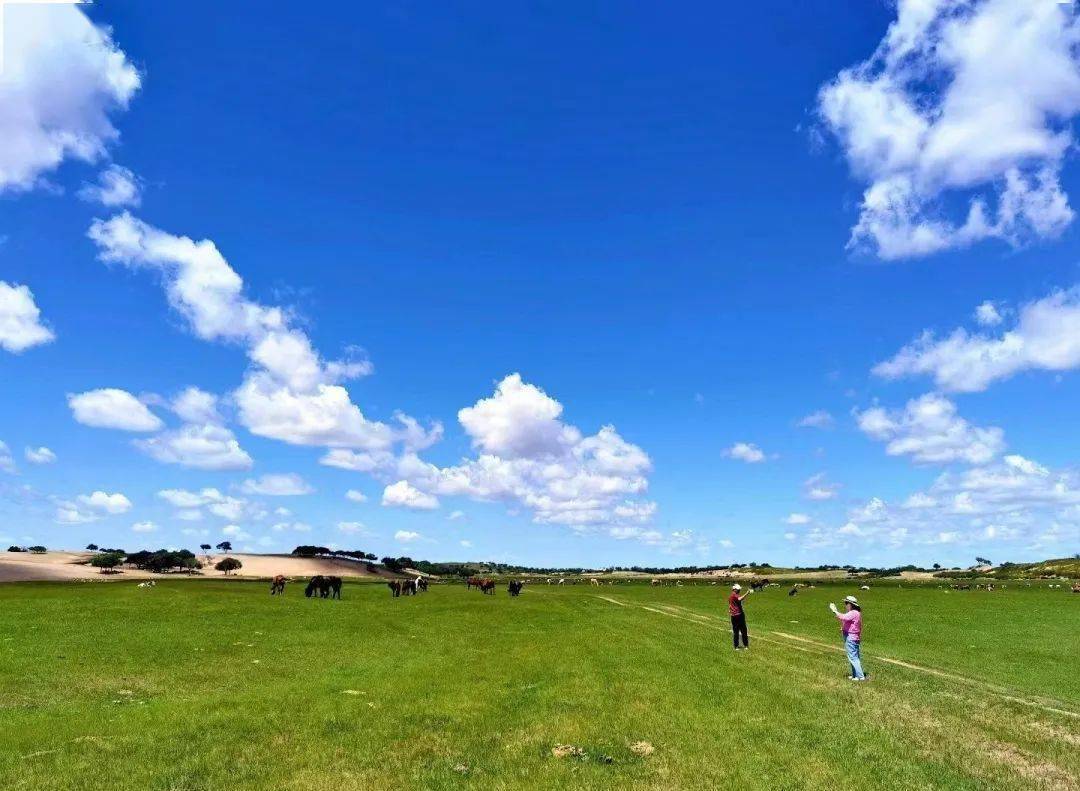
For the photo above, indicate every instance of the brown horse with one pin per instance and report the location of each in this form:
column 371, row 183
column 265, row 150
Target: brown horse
column 487, row 586
column 277, row 585
column 395, row 588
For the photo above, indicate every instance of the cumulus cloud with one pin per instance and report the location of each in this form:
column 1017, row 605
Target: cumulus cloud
column 406, row 536
column 144, row 527
column 356, row 496
column 1013, row 500
column 7, row 462
column 1046, row 337
column 745, row 451
column 91, row 507
column 290, row 393
column 353, row 528
column 40, row 455
column 113, row 408
column 203, row 447
column 930, row 431
column 819, row 419
column 987, row 314
column 62, row 79
column 818, row 487
column 797, row 519
column 406, row 495
column 20, row 319
column 116, row 186
column 203, row 442
column 560, row 475
column 190, row 504
column 962, row 102
column 277, row 485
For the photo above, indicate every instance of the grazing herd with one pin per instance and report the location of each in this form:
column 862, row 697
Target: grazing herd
column 323, row 587
column 407, row 587
column 484, row 584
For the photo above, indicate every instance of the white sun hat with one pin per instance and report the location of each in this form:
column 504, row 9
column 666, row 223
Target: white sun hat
column 736, row 587
column 851, row 600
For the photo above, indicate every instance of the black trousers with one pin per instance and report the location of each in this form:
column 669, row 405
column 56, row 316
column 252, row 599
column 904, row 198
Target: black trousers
column 738, row 627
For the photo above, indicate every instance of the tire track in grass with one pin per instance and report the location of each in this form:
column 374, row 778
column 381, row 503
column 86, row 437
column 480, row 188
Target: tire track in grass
column 808, row 645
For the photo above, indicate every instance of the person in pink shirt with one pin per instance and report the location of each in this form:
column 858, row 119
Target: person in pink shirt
column 851, row 629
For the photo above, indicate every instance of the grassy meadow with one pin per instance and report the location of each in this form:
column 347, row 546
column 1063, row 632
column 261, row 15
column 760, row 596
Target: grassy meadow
column 199, row 684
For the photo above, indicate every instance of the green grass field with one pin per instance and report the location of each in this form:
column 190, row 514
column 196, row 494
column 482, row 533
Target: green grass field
column 216, row 685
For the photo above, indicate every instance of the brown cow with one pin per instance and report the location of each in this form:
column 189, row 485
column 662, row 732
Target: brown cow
column 395, row 588
column 277, row 585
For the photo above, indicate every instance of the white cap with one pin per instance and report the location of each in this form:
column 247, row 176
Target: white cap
column 851, row 600
column 736, row 587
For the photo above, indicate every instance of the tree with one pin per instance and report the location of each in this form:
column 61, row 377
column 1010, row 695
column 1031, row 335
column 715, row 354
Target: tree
column 37, row 549
column 937, row 565
column 14, row 548
column 983, row 562
column 106, row 561
column 92, row 547
column 228, row 564
column 204, row 547
column 225, row 546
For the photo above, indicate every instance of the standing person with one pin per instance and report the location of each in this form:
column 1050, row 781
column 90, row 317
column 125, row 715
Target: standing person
column 738, row 617
column 851, row 629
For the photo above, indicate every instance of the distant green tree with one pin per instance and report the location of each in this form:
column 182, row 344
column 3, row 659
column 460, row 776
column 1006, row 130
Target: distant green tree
column 92, row 547
column 937, row 565
column 225, row 546
column 14, row 548
column 983, row 561
column 204, row 547
column 106, row 561
column 228, row 564
column 37, row 549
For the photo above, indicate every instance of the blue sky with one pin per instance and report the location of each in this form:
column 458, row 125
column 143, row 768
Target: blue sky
column 697, row 225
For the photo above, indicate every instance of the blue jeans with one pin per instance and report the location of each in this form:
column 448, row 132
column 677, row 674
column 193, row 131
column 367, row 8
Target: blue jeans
column 852, row 648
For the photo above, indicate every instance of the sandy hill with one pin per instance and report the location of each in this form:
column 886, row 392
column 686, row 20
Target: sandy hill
column 25, row 566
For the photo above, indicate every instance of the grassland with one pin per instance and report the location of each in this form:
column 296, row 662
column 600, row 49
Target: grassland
column 200, row 684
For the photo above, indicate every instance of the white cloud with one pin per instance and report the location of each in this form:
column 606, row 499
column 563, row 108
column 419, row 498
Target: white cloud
column 817, row 487
column 40, row 455
column 987, row 314
column 277, row 485
column 282, row 511
column 193, row 405
column 353, row 528
column 91, row 507
column 112, row 408
column 930, row 431
column 290, row 393
column 20, row 319
column 189, row 515
column 356, row 496
column 62, row 78
column 571, row 479
column 144, row 527
column 235, row 532
column 406, row 536
column 106, row 503
column 465, row 543
column 819, row 419
column 519, row 421
column 116, row 186
column 745, row 451
column 797, row 519
column 962, row 102
column 1046, row 337
column 726, row 543
column 203, row 447
column 1013, row 500
column 229, row 508
column 456, row 515
column 7, row 462
column 406, row 495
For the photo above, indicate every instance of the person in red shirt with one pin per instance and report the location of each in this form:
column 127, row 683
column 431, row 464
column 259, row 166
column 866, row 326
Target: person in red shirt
column 738, row 617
